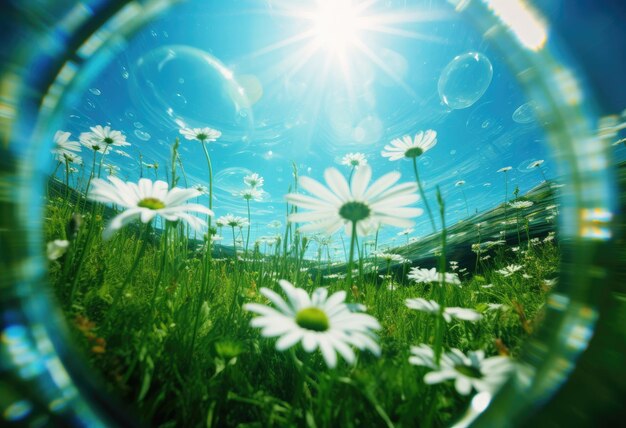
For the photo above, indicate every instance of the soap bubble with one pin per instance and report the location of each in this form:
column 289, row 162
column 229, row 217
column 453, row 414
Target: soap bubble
column 247, row 91
column 464, row 80
column 142, row 135
column 182, row 84
column 525, row 113
column 484, row 120
column 230, row 180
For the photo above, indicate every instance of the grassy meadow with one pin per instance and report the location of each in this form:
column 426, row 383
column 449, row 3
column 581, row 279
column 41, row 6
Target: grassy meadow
column 164, row 314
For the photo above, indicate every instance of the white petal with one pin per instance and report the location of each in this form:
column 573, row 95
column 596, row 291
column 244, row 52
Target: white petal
column 337, row 183
column 288, row 340
column 328, row 352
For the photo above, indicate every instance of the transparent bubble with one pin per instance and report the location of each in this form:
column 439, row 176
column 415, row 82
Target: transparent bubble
column 247, row 91
column 230, row 180
column 464, row 80
column 525, row 113
column 524, row 166
column 182, row 84
column 484, row 120
column 95, row 91
column 138, row 125
column 125, row 73
column 142, row 135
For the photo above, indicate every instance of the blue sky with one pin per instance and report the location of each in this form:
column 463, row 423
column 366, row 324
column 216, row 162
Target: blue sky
column 313, row 110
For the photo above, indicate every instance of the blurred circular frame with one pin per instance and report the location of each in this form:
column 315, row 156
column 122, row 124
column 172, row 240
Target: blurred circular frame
column 44, row 382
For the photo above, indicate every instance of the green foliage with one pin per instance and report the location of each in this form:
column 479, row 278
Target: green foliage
column 171, row 337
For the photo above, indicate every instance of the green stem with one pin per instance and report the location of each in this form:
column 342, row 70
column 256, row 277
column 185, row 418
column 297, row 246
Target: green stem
column 351, row 256
column 208, row 161
column 249, row 226
column 157, row 283
column 93, row 168
column 421, row 189
column 135, row 264
column 466, row 205
column 440, row 329
column 506, row 196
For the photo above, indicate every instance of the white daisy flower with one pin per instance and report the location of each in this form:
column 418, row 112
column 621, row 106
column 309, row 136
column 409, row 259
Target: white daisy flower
column 509, row 270
column 433, row 307
column 341, row 205
column 253, row 180
column 468, row 371
column 201, row 134
column 423, row 355
column 251, row 193
column 111, row 169
column 317, row 321
column 268, row 240
column 55, row 249
column 101, row 139
column 390, row 257
column 147, row 199
column 536, row 164
column 550, row 282
column 69, row 157
column 231, row 221
column 406, row 231
column 407, row 147
column 420, row 275
column 505, row 169
column 201, row 188
column 151, row 165
column 354, row 160
column 65, row 149
column 521, row 204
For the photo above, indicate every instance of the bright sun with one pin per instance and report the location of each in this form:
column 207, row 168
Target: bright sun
column 336, row 25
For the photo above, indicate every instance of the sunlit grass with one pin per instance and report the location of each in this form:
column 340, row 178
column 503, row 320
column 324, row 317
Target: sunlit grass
column 166, row 316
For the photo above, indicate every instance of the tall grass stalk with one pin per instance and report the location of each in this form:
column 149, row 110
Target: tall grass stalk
column 423, row 195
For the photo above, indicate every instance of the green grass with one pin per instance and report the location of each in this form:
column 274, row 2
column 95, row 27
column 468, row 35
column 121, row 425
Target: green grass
column 173, row 339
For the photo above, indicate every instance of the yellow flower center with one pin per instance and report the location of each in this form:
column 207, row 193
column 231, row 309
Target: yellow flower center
column 151, row 203
column 354, row 211
column 413, row 152
column 312, row 319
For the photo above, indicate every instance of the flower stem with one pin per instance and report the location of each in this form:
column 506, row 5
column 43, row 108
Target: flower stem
column 441, row 328
column 157, row 283
column 135, row 264
column 208, row 161
column 249, row 226
column 351, row 256
column 466, row 205
column 419, row 186
column 506, row 196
